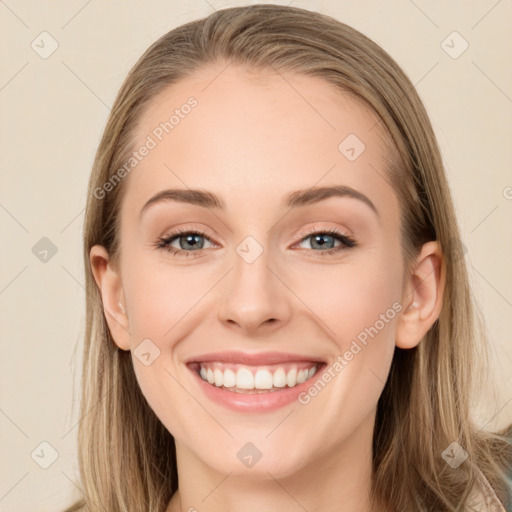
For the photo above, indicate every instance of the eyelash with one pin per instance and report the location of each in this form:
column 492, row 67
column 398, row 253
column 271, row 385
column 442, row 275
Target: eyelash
column 347, row 241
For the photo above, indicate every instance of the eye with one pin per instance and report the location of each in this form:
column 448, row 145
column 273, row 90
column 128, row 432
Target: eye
column 191, row 242
column 325, row 240
column 186, row 240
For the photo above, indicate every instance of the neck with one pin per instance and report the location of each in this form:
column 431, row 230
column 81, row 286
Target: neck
column 337, row 480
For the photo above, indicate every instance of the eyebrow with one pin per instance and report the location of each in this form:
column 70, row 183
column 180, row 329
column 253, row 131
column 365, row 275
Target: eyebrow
column 295, row 199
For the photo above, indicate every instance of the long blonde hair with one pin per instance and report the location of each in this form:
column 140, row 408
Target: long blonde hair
column 127, row 457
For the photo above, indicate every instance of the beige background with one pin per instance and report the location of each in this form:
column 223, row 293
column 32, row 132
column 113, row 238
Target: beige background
column 53, row 113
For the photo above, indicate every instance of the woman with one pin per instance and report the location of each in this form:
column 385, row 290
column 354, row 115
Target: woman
column 278, row 310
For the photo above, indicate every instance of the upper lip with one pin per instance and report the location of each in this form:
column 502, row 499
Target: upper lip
column 254, row 359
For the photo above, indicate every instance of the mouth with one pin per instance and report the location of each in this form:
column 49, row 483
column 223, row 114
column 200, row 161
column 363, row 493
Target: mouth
column 254, row 382
column 255, row 379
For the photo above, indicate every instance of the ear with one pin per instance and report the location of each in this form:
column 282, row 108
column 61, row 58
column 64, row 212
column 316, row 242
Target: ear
column 109, row 283
column 423, row 297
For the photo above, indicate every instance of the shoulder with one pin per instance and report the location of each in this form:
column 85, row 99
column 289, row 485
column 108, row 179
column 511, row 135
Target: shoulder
column 484, row 498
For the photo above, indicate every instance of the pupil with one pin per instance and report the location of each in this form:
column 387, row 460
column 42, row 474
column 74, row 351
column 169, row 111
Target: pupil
column 191, row 240
column 320, row 240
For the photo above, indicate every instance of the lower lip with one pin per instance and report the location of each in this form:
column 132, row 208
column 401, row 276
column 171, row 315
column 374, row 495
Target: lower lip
column 255, row 402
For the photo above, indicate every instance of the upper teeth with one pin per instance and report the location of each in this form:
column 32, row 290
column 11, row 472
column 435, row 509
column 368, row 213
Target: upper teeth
column 243, row 377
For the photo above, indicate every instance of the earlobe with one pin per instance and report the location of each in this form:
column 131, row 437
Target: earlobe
column 423, row 297
column 109, row 284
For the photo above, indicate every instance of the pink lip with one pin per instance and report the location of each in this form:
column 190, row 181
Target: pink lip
column 255, row 359
column 256, row 402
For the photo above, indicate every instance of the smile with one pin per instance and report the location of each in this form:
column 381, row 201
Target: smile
column 253, row 383
column 256, row 379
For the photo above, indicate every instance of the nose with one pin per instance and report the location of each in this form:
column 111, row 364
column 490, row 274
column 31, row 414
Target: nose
column 254, row 300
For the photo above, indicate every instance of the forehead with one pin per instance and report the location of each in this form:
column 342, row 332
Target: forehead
column 246, row 95
column 253, row 132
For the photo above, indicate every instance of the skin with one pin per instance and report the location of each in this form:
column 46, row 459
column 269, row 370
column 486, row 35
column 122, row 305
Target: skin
column 253, row 139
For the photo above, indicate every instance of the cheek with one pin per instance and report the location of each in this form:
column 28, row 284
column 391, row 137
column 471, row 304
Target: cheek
column 163, row 303
column 160, row 296
column 350, row 297
column 358, row 306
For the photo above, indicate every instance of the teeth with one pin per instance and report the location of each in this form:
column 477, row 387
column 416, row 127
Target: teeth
column 263, row 380
column 279, row 378
column 291, row 378
column 219, row 377
column 242, row 378
column 229, row 379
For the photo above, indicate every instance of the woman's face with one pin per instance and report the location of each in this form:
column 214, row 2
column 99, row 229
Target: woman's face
column 267, row 291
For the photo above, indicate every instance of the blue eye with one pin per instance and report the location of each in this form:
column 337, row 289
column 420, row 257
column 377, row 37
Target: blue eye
column 191, row 243
column 324, row 239
column 187, row 239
